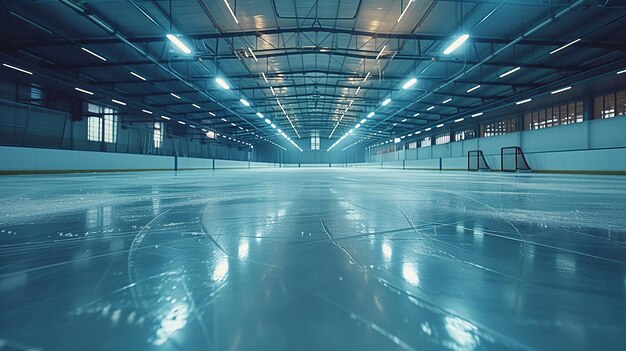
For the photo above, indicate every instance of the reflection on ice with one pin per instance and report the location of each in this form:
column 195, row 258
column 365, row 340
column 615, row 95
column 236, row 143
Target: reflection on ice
column 242, row 251
column 409, row 272
column 464, row 334
column 221, row 269
column 175, row 320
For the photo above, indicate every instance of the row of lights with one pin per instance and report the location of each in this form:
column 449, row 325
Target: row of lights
column 458, row 42
column 224, row 85
column 221, row 82
column 277, row 100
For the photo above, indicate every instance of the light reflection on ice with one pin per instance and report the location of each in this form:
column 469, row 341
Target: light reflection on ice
column 409, row 272
column 242, row 252
column 221, row 269
column 462, row 332
column 175, row 320
column 387, row 251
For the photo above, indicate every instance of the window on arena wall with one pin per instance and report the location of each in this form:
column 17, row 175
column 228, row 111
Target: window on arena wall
column 412, row 145
column 464, row 134
column 500, row 127
column 32, row 94
column 315, row 141
column 101, row 123
column 426, row 142
column 554, row 116
column 158, row 134
column 610, row 105
column 442, row 139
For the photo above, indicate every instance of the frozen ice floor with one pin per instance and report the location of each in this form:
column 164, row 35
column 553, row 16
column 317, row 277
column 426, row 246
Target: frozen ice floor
column 312, row 259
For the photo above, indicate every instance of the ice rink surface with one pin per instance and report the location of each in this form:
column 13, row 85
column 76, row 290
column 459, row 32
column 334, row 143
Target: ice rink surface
column 312, row 259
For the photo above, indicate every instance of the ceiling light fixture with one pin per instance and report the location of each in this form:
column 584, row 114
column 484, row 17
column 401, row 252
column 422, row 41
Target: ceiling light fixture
column 93, row 53
column 510, row 72
column 564, row 46
column 174, row 95
column 386, row 102
column 381, row 52
column 83, row 91
column 174, row 39
column 523, row 101
column 230, row 9
column 119, row 102
column 455, row 44
column 23, row 70
column 222, row 83
column 409, row 83
column 405, row 9
column 138, row 76
column 472, row 89
column 253, row 55
column 560, row 90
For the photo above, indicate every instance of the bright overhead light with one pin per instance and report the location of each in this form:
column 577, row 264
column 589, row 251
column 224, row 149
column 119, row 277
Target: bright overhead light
column 366, row 76
column 146, row 111
column 224, row 119
column 459, row 120
column 371, row 114
column 417, row 114
column 230, row 9
column 363, row 121
column 622, row 71
column 181, row 122
column 439, row 125
column 357, row 126
column 233, row 124
column 264, row 77
column 83, row 91
column 409, row 83
column 427, row 129
column 273, row 125
column 472, row 89
column 165, row 117
column 523, row 101
column 196, row 106
column 268, row 121
column 386, row 102
column 222, row 83
column 510, row 72
column 564, row 46
column 405, row 9
column 430, row 108
column 279, row 131
column 138, row 76
column 119, row 102
column 357, row 90
column 477, row 114
column 560, row 90
column 174, row 95
column 244, row 102
column 458, row 42
column 174, row 39
column 402, row 121
column 253, row 55
column 23, row 70
column 212, row 114
column 350, row 131
column 273, row 92
column 93, row 54
column 260, row 115
column 447, row 100
column 381, row 52
column 190, row 126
